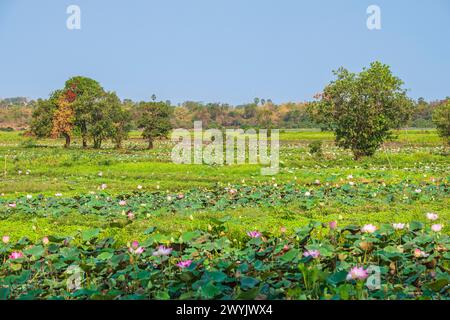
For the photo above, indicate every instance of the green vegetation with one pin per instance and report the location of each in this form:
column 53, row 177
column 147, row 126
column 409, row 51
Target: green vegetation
column 402, row 166
column 315, row 262
column 361, row 109
column 111, row 216
column 441, row 118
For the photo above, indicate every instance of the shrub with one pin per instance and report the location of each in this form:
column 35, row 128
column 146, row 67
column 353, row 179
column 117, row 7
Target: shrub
column 28, row 143
column 315, row 148
column 441, row 118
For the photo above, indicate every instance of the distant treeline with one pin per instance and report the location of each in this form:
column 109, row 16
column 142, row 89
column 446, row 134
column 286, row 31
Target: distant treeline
column 16, row 113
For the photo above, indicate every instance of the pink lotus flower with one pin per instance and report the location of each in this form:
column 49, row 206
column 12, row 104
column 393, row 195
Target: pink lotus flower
column 16, row 255
column 184, row 264
column 357, row 273
column 135, row 244
column 45, row 241
column 12, row 205
column 122, row 203
column 162, row 251
column 254, row 234
column 135, row 248
column 398, row 226
column 283, row 229
column 420, row 254
column 432, row 216
column 436, row 227
column 5, row 239
column 369, row 228
column 333, row 225
column 312, row 253
column 130, row 215
column 139, row 250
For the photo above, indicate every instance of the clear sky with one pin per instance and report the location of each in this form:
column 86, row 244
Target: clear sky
column 220, row 50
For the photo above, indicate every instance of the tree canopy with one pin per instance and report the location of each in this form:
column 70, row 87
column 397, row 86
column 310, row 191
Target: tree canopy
column 361, row 109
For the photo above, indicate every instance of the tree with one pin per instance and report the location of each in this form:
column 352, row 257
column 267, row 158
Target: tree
column 441, row 118
column 362, row 108
column 155, row 121
column 54, row 117
column 121, row 124
column 63, row 120
column 99, row 119
column 42, row 118
column 83, row 93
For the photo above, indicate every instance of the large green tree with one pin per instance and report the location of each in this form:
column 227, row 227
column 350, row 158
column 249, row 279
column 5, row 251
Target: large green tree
column 120, row 123
column 84, row 93
column 99, row 118
column 154, row 120
column 441, row 118
column 362, row 108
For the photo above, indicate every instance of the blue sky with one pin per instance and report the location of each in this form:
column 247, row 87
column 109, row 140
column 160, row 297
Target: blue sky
column 222, row 50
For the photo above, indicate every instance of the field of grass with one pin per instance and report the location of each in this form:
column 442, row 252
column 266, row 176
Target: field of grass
column 130, row 224
column 386, row 185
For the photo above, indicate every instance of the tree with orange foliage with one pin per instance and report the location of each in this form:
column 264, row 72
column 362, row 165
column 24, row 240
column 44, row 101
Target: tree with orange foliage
column 63, row 120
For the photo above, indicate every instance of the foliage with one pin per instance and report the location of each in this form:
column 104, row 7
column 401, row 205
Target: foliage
column 204, row 213
column 315, row 262
column 315, row 148
column 42, row 121
column 121, row 124
column 83, row 94
column 362, row 108
column 441, row 118
column 154, row 120
column 82, row 105
column 106, row 120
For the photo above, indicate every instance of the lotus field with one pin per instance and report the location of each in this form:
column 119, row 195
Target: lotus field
column 130, row 224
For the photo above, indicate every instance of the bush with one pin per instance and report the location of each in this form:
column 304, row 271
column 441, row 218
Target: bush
column 28, row 143
column 315, row 148
column 441, row 118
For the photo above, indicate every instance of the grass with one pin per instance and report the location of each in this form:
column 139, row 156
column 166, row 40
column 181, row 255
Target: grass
column 46, row 168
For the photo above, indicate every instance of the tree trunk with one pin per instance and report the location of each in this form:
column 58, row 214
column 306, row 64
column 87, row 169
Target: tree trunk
column 84, row 134
column 97, row 143
column 150, row 144
column 67, row 144
column 357, row 155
